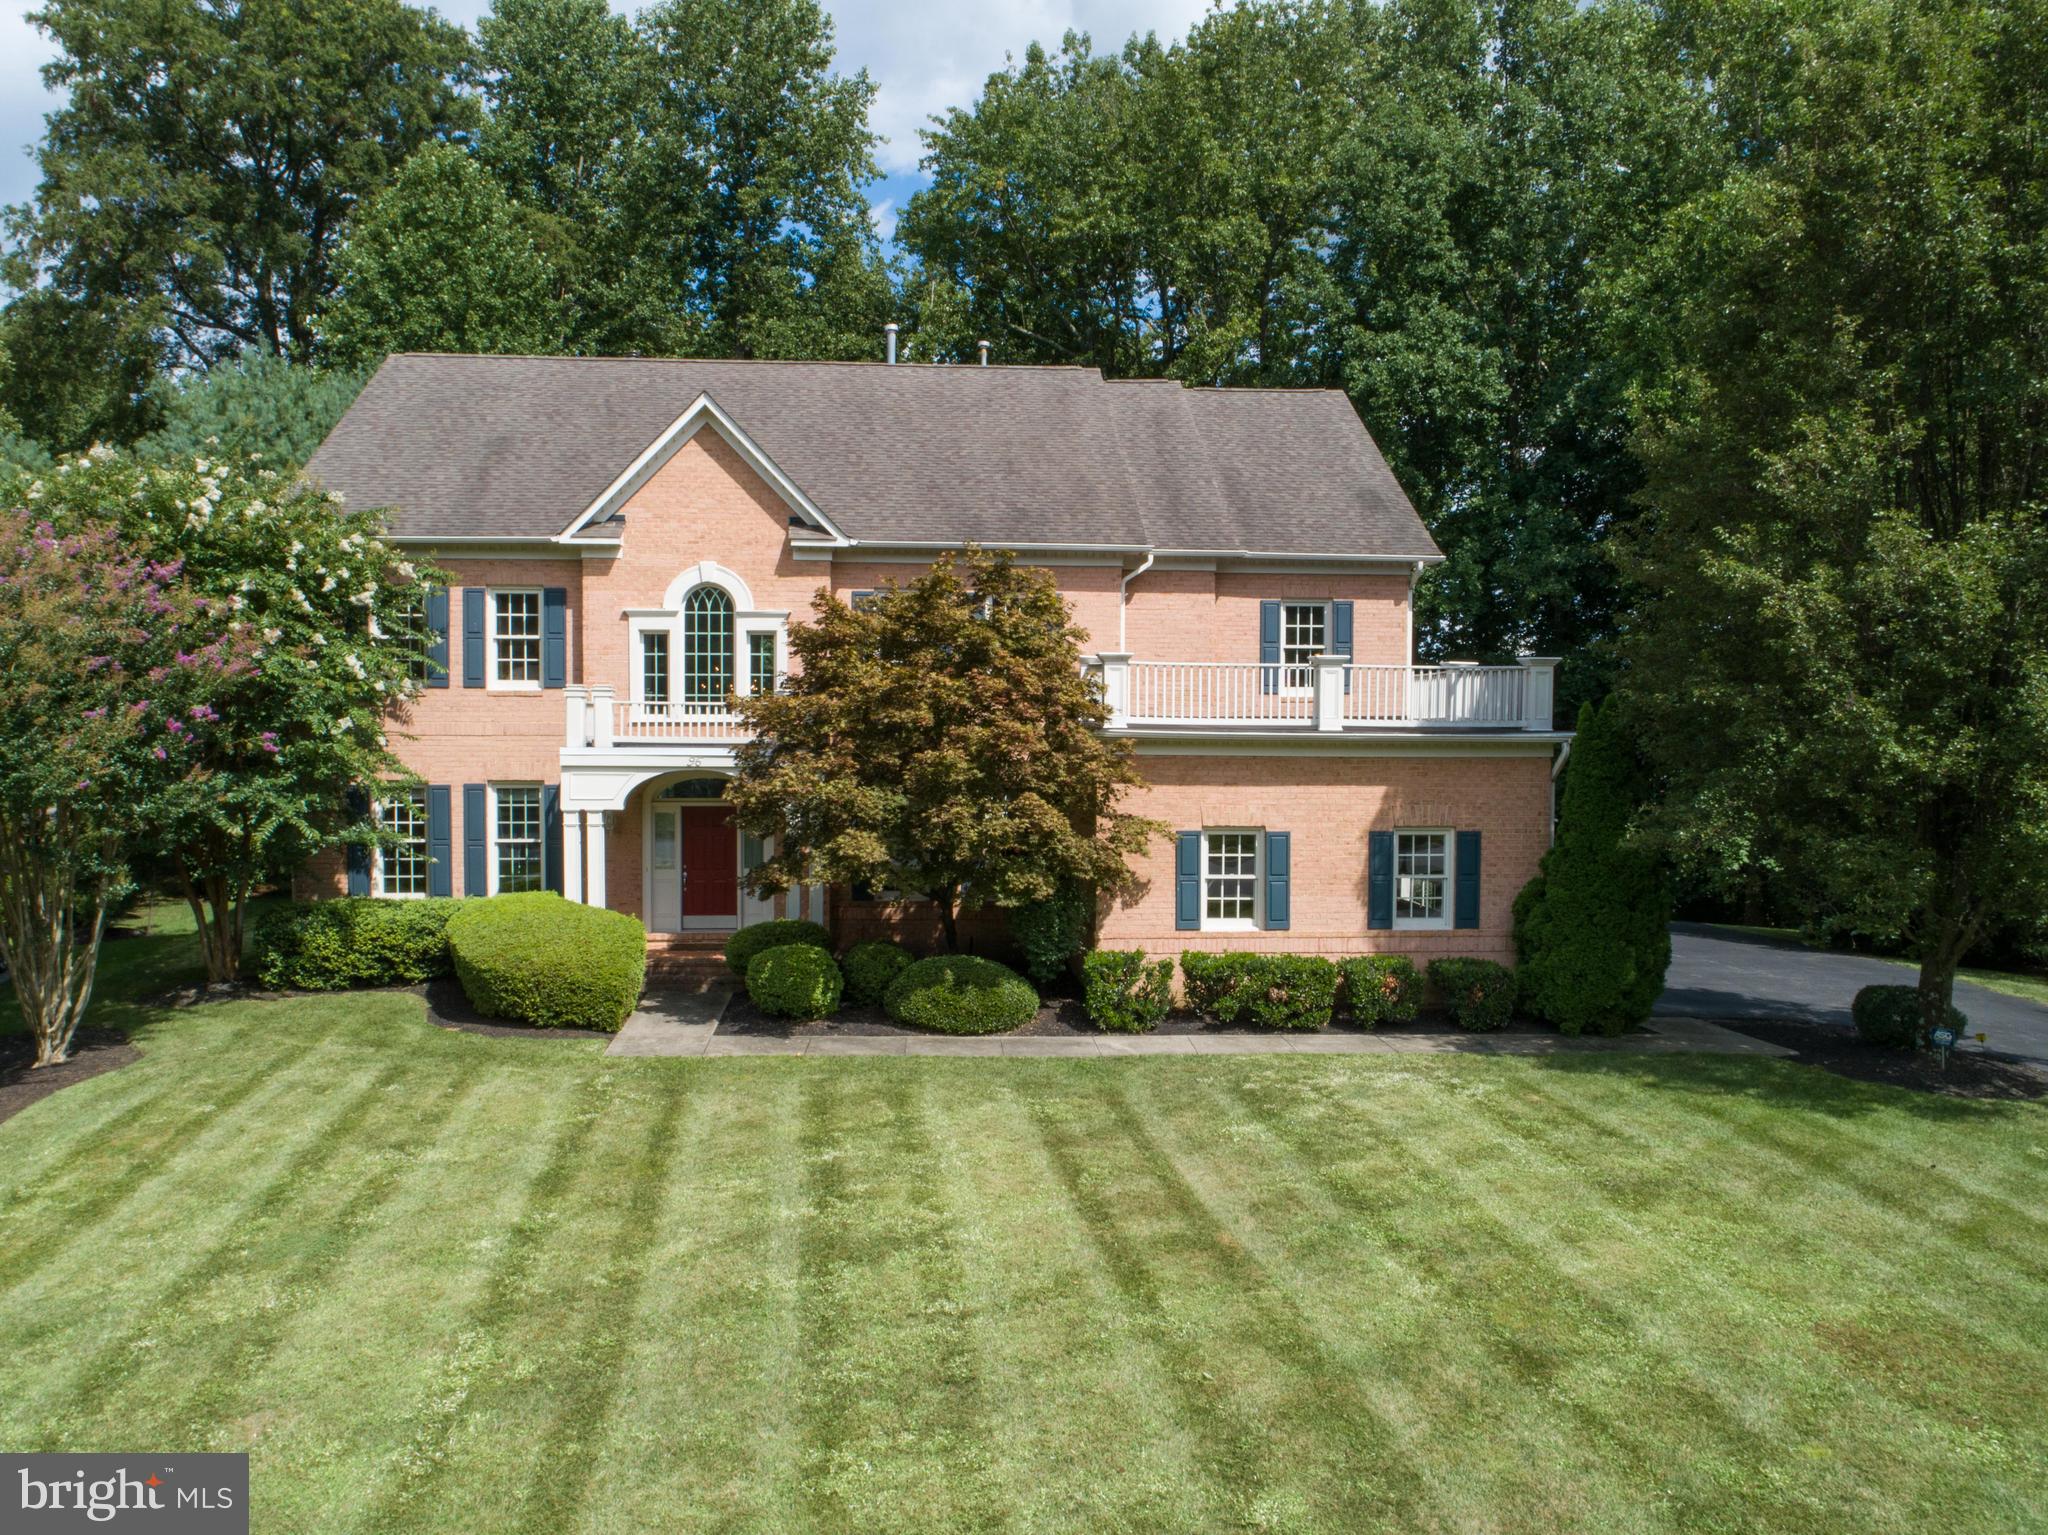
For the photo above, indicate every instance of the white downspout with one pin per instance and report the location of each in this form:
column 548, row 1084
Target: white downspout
column 1564, row 752
column 1123, row 595
column 1414, row 576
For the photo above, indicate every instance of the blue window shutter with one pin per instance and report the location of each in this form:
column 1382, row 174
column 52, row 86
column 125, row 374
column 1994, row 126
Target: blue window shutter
column 1278, row 879
column 1466, row 913
column 472, row 636
column 1340, row 635
column 554, row 637
column 437, row 636
column 1379, row 879
column 358, row 804
column 476, row 878
column 1187, row 880
column 440, row 855
column 551, row 837
column 1269, row 647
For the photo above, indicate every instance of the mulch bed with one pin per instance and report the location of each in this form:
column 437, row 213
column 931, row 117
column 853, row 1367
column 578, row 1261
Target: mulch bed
column 1969, row 1074
column 93, row 1051
column 448, row 1008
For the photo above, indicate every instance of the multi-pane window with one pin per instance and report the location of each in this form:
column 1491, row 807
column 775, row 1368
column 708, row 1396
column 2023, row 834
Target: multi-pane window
column 760, row 662
column 518, row 842
column 707, row 646
column 404, row 862
column 1230, row 877
column 654, row 666
column 1304, row 631
column 515, row 636
column 1422, row 876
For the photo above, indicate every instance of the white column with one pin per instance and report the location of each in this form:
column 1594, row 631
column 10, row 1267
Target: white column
column 572, row 854
column 1329, row 680
column 1539, row 691
column 602, row 698
column 593, row 863
column 1116, row 684
column 576, row 712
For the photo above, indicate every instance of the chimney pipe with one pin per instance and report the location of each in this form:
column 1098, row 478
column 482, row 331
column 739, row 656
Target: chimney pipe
column 983, row 345
column 889, row 330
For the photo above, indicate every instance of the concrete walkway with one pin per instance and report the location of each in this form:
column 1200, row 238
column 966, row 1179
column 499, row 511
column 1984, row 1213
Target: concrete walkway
column 686, row 1023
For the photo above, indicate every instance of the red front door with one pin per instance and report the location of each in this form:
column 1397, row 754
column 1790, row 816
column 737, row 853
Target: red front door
column 711, row 859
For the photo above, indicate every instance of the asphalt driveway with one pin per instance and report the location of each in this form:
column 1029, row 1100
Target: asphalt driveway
column 1718, row 973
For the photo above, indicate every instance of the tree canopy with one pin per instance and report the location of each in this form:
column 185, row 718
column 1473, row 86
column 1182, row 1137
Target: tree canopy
column 941, row 738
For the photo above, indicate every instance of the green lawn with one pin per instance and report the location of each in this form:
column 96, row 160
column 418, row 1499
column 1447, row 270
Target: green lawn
column 440, row 1282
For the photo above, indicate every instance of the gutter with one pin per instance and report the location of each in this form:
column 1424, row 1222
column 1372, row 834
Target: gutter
column 1123, row 594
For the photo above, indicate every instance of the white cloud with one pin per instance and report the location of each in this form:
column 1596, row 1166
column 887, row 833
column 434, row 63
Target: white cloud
column 923, row 55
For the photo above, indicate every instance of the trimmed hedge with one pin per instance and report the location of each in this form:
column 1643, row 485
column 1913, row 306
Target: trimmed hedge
column 1889, row 1017
column 797, row 980
column 1123, row 992
column 961, row 994
column 870, row 967
column 1382, row 988
column 741, row 948
column 553, row 963
column 1268, row 991
column 355, row 941
column 1478, row 993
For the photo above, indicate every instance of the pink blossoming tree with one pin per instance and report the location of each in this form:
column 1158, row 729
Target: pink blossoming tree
column 97, row 721
column 277, row 761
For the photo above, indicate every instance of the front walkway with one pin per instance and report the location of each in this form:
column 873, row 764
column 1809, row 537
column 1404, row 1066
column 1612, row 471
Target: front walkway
column 686, row 1023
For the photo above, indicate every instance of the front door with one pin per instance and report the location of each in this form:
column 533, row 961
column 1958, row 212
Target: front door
column 711, row 868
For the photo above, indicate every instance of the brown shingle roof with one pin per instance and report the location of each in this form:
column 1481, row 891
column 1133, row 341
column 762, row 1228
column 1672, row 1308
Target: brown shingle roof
column 517, row 447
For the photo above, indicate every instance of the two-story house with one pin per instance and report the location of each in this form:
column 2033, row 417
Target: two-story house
column 629, row 541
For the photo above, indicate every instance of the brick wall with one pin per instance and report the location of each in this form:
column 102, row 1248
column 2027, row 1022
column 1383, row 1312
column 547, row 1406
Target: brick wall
column 1328, row 804
column 1199, row 615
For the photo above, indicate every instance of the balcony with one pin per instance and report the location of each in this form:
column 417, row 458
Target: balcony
column 1328, row 694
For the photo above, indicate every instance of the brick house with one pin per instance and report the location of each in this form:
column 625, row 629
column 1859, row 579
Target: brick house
column 630, row 539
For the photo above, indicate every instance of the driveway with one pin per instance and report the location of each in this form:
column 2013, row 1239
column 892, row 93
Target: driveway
column 1718, row 973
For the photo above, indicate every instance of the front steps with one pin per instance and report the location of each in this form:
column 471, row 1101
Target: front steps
column 686, row 958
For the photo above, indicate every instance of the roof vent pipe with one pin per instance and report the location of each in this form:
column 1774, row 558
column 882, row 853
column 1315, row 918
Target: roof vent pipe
column 889, row 331
column 983, row 347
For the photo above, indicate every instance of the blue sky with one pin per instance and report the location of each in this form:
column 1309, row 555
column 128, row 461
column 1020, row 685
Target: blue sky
column 923, row 55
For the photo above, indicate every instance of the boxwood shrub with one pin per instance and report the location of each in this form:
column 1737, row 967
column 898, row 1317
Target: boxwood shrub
column 355, row 941
column 869, row 968
column 539, row 959
column 797, row 980
column 741, row 948
column 1267, row 991
column 1382, row 988
column 1478, row 993
column 960, row 994
column 1889, row 1016
column 1123, row 992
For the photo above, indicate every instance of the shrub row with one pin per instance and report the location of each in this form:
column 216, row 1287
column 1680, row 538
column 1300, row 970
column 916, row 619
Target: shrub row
column 960, row 994
column 1123, row 992
column 335, row 945
column 1478, row 993
column 1269, row 991
column 797, row 980
column 539, row 959
column 741, row 948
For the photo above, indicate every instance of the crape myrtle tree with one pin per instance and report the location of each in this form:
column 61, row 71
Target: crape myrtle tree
column 337, row 641
column 941, row 738
column 108, row 662
column 1842, row 659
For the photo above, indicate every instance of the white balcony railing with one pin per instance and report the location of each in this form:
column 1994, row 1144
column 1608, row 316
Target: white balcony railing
column 1329, row 693
column 597, row 718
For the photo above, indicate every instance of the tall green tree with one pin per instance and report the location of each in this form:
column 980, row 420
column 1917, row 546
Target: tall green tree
column 440, row 261
column 1842, row 660
column 259, row 406
column 74, row 373
column 941, row 738
column 197, row 177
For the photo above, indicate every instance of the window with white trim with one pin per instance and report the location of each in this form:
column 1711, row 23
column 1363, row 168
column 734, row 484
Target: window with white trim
column 1422, row 879
column 654, row 666
column 1304, row 635
column 516, row 839
column 515, row 638
column 1230, row 879
column 401, row 866
column 707, row 645
column 761, row 661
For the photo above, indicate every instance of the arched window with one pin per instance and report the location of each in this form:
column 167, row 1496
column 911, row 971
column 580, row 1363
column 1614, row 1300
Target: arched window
column 707, row 646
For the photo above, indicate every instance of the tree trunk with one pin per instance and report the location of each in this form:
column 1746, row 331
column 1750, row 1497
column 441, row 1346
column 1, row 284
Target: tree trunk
column 948, row 920
column 1753, row 897
column 1946, row 938
column 217, row 912
column 50, row 934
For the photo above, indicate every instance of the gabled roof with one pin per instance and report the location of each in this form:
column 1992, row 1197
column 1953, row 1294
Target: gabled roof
column 521, row 447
